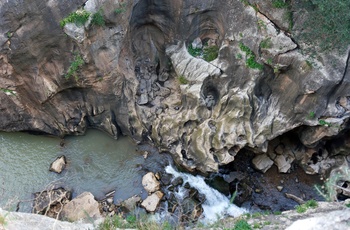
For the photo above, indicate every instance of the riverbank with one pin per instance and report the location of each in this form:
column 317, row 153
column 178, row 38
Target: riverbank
column 330, row 216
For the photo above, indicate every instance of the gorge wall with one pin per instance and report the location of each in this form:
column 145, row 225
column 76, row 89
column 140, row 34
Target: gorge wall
column 285, row 110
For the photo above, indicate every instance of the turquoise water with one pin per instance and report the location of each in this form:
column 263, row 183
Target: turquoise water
column 96, row 163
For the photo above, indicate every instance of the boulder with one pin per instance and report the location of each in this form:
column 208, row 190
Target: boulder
column 262, row 162
column 58, row 165
column 152, row 201
column 150, row 182
column 83, row 207
column 131, row 202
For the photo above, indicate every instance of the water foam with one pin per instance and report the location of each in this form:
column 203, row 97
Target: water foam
column 216, row 204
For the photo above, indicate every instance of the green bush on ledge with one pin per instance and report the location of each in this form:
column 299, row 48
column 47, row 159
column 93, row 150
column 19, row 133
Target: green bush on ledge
column 79, row 18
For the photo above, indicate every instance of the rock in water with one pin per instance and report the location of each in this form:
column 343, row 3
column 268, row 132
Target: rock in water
column 83, row 207
column 152, row 201
column 58, row 165
column 150, row 182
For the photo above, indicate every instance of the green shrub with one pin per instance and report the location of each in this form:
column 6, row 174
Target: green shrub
column 242, row 225
column 311, row 204
column 195, row 52
column 328, row 24
column 324, row 123
column 210, row 53
column 303, row 207
column 97, row 19
column 279, row 3
column 79, row 18
column 250, row 61
column 182, row 80
column 121, row 9
column 74, row 67
column 266, row 43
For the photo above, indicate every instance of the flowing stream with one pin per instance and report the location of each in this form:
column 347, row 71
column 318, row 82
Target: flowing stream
column 216, row 204
column 96, row 163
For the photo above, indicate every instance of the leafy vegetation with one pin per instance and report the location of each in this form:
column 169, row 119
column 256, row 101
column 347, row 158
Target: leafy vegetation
column 8, row 91
column 182, row 80
column 195, row 52
column 79, row 18
column 250, row 58
column 121, row 9
column 328, row 24
column 309, row 204
column 242, row 225
column 312, row 115
column 132, row 221
column 210, row 53
column 266, row 43
column 324, row 123
column 97, row 19
column 279, row 3
column 74, row 67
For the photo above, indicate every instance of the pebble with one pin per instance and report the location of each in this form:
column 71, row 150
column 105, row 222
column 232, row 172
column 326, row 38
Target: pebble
column 279, row 188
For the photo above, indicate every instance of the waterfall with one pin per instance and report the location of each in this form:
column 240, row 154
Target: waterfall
column 216, row 205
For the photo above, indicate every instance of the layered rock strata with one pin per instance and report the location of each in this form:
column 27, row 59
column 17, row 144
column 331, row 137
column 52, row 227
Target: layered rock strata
column 286, row 110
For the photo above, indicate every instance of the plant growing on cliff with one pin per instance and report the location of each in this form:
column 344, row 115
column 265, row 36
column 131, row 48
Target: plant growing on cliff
column 97, row 19
column 250, row 57
column 79, row 18
column 121, row 9
column 195, row 52
column 309, row 204
column 182, row 80
column 242, row 225
column 74, row 67
column 327, row 24
column 279, row 3
column 210, row 53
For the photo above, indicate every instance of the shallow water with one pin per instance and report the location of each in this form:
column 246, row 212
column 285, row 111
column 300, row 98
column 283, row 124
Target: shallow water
column 96, row 163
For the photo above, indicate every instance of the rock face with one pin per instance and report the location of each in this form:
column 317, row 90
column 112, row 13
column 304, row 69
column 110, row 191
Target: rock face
column 83, row 207
column 129, row 81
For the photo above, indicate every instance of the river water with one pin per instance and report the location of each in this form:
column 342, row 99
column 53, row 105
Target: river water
column 96, row 163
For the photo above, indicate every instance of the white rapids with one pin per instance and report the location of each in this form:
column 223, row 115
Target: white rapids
column 216, row 205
